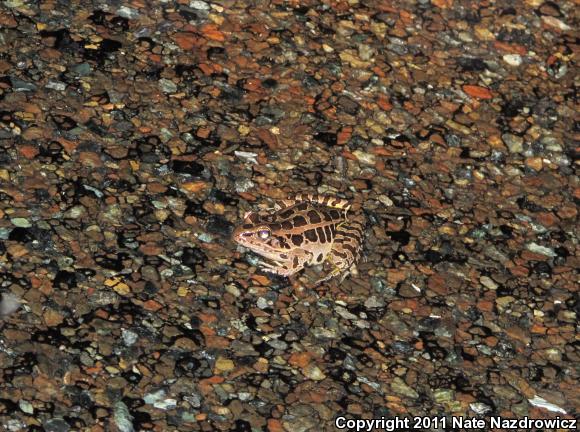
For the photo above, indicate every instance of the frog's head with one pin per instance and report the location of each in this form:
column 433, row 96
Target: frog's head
column 260, row 236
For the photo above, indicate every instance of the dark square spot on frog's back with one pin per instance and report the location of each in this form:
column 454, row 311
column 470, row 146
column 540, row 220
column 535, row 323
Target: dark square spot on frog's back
column 287, row 225
column 299, row 221
column 286, row 213
column 253, row 218
column 311, row 235
column 335, row 214
column 297, row 240
column 302, row 206
column 313, row 216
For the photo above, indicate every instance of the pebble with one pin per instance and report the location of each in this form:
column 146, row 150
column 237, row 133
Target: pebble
column 513, row 59
column 56, row 425
column 200, row 5
column 21, row 222
column 127, row 12
column 399, row 387
column 167, row 86
column 515, row 144
column 224, row 365
column 313, row 372
column 26, row 407
column 364, row 157
column 122, row 417
column 56, row 85
column 542, row 250
column 488, row 282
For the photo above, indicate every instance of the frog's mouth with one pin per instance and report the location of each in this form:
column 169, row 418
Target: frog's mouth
column 270, row 248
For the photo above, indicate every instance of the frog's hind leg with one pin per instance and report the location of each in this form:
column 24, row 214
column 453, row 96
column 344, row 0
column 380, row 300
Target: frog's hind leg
column 346, row 249
column 323, row 200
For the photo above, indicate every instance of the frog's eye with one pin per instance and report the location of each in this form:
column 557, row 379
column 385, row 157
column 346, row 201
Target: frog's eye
column 264, row 234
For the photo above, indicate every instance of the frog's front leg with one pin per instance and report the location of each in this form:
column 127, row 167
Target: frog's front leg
column 346, row 249
column 292, row 263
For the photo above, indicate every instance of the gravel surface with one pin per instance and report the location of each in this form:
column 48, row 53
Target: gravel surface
column 134, row 135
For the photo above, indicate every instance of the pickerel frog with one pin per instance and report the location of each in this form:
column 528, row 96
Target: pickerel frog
column 304, row 230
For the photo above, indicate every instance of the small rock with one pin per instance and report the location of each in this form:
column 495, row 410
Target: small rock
column 127, row 12
column 373, row 302
column 14, row 425
column 262, row 303
column 504, row 302
column 21, row 222
column 151, row 398
column 224, row 365
column 409, row 290
column 122, row 417
column 514, row 143
column 477, row 92
column 543, row 403
column 365, row 52
column 26, row 406
column 364, row 157
column 244, row 185
column 165, row 404
column 81, row 69
column 75, row 212
column 513, row 59
column 56, row 85
column 56, row 425
column 194, row 399
column 443, row 395
column 233, row 290
column 199, row 5
column 19, row 85
column 552, row 143
column 542, row 250
column 313, row 372
column 555, row 22
column 9, row 303
column 386, row 201
column 345, row 313
column 536, row 163
column 129, row 337
column 52, row 317
column 480, row 408
column 167, row 86
column 488, row 282
column 400, row 387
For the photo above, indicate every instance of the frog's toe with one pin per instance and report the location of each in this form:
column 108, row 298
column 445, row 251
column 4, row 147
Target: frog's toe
column 275, row 269
column 333, row 273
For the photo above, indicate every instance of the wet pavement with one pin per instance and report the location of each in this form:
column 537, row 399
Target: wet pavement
column 135, row 135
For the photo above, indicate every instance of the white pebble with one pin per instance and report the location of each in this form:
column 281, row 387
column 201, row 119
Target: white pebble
column 513, row 59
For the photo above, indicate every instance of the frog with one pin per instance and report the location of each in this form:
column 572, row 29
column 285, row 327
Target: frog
column 305, row 229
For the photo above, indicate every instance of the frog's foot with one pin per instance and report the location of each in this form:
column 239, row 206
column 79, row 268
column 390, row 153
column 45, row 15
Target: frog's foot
column 275, row 267
column 279, row 268
column 337, row 268
column 278, row 271
column 333, row 273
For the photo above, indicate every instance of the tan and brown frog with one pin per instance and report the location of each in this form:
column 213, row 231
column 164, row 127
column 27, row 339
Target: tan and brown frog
column 304, row 230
